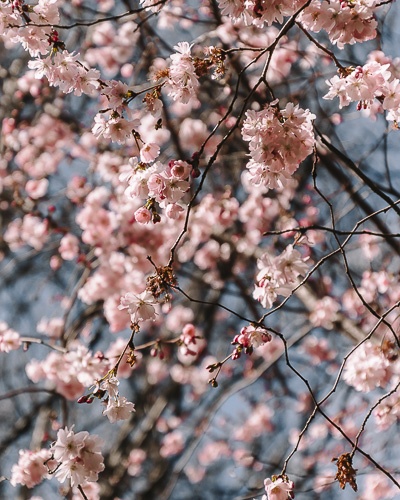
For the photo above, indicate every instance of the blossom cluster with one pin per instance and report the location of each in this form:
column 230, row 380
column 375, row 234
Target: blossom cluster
column 110, row 225
column 164, row 185
column 279, row 488
column 259, row 12
column 17, row 20
column 324, row 313
column 118, row 407
column 140, row 307
column 9, row 338
column 31, row 26
column 78, row 456
column 345, row 21
column 30, row 230
column 183, row 81
column 278, row 275
column 189, row 341
column 32, row 468
column 279, row 141
column 367, row 368
column 364, row 84
column 109, row 234
column 73, row 456
column 69, row 373
column 65, row 71
column 372, row 366
column 249, row 338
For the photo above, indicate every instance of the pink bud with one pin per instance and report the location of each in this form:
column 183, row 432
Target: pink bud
column 195, row 173
column 143, row 215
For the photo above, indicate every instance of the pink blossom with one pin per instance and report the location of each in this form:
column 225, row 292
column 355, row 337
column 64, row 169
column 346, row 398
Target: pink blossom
column 188, row 334
column 180, row 169
column 259, row 13
column 156, row 184
column 364, row 84
column 118, row 409
column 278, row 275
column 68, row 444
column 324, row 313
column 251, row 337
column 367, row 368
column 52, row 327
column 31, row 468
column 345, row 22
column 110, row 384
column 69, row 247
column 31, row 230
column 174, row 211
column 79, row 456
column 149, row 152
column 140, row 307
column 278, row 489
column 37, row 188
column 279, row 142
column 191, row 343
column 136, row 457
column 116, row 93
column 73, row 470
column 388, row 412
column 143, row 215
column 172, row 444
column 9, row 339
column 55, row 262
column 182, row 80
column 69, row 372
column 118, row 130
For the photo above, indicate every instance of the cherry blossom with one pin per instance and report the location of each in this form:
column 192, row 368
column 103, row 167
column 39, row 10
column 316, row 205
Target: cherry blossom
column 364, row 84
column 149, row 194
column 345, row 22
column 278, row 275
column 182, row 79
column 9, row 339
column 367, row 368
column 251, row 337
column 278, row 489
column 78, row 455
column 279, row 142
column 136, row 458
column 140, row 307
column 324, row 313
column 149, row 152
column 31, row 468
column 69, row 373
column 118, row 409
